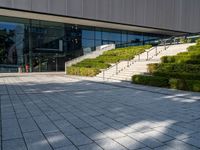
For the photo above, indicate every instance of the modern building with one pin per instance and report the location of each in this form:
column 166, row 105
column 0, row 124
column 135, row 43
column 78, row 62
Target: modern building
column 46, row 33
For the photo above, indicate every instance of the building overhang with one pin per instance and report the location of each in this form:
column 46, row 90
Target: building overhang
column 85, row 22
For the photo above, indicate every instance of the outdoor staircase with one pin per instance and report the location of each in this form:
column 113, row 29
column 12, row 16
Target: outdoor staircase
column 124, row 70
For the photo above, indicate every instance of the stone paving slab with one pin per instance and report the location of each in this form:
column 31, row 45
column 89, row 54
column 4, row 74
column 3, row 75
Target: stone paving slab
column 56, row 112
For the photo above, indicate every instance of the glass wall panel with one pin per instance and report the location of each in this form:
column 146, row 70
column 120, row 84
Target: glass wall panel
column 98, row 34
column 115, row 36
column 124, row 37
column 105, row 35
column 87, row 43
column 46, row 35
column 46, row 46
column 98, row 42
column 11, row 43
column 87, row 34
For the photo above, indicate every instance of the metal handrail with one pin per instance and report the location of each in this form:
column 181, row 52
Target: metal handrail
column 130, row 62
column 115, row 65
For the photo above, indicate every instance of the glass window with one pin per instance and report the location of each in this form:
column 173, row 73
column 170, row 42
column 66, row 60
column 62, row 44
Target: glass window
column 98, row 34
column 98, row 42
column 87, row 43
column 87, row 34
column 115, row 36
column 124, row 37
column 105, row 35
column 11, row 43
column 111, row 35
column 135, row 38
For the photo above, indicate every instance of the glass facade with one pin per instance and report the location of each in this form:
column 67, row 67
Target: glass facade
column 46, row 46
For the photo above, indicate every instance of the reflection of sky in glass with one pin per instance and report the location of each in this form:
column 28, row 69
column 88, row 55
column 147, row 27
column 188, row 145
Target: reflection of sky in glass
column 8, row 26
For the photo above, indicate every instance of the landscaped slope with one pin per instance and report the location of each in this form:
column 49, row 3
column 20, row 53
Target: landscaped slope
column 91, row 67
column 180, row 72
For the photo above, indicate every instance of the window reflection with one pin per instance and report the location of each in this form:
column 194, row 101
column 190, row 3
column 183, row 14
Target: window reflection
column 11, row 42
column 98, row 34
column 88, row 34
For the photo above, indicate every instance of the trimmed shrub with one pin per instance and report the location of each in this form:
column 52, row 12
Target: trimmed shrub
column 120, row 54
column 109, row 59
column 193, row 85
column 198, row 42
column 190, row 59
column 82, row 71
column 181, row 84
column 168, row 59
column 194, row 48
column 178, row 75
column 150, row 80
column 178, row 84
column 92, row 63
column 153, row 67
column 189, row 40
column 183, row 40
column 91, row 67
column 173, row 67
column 179, row 72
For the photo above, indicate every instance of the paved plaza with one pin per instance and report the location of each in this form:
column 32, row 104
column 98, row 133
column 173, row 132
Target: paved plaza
column 56, row 112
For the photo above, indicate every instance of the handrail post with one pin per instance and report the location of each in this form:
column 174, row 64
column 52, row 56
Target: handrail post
column 147, row 55
column 103, row 74
column 128, row 63
column 156, row 50
column 116, row 68
column 138, row 57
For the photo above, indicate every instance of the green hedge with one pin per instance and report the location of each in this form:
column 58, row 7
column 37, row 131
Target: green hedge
column 91, row 67
column 82, row 71
column 150, row 80
column 153, row 67
column 188, row 85
column 194, row 48
column 179, row 72
column 181, row 59
column 181, row 84
column 173, row 67
column 178, row 75
column 128, row 53
column 92, row 63
column 109, row 59
column 198, row 42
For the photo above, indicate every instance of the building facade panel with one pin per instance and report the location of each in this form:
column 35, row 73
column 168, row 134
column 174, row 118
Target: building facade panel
column 75, row 8
column 102, row 11
column 89, row 9
column 128, row 12
column 139, row 13
column 57, row 8
column 22, row 4
column 6, row 3
column 116, row 10
column 151, row 11
column 39, row 6
column 170, row 14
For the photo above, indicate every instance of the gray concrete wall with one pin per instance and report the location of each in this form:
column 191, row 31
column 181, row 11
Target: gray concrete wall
column 179, row 15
